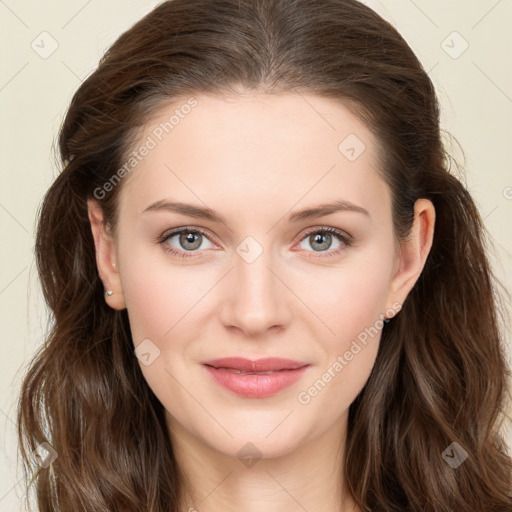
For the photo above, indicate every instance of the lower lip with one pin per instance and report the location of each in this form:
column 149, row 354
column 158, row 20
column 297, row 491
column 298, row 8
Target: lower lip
column 256, row 386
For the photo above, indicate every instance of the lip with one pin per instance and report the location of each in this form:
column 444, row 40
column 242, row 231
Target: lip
column 264, row 364
column 255, row 384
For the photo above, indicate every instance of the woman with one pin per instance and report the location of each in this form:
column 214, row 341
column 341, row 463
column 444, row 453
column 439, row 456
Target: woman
column 269, row 292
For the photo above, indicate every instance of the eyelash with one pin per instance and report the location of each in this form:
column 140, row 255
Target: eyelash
column 343, row 237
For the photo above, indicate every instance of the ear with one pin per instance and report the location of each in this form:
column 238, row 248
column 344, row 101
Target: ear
column 413, row 252
column 105, row 256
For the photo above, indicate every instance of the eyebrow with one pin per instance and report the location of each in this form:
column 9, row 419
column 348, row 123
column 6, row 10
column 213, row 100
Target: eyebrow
column 209, row 214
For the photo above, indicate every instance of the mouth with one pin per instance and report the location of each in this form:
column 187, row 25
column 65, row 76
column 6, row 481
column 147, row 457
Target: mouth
column 255, row 379
column 233, row 370
column 263, row 365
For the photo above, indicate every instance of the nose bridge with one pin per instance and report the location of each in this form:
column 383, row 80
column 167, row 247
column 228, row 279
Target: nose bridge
column 256, row 297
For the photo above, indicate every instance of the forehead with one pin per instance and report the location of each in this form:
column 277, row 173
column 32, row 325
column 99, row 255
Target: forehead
column 253, row 150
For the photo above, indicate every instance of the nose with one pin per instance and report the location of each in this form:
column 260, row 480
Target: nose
column 256, row 295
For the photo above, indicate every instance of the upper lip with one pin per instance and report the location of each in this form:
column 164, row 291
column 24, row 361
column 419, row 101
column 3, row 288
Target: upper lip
column 259, row 365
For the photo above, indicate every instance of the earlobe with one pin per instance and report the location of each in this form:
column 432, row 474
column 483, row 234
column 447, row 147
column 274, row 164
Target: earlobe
column 414, row 251
column 105, row 257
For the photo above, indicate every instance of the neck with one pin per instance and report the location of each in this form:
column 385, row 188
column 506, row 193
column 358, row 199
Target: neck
column 308, row 477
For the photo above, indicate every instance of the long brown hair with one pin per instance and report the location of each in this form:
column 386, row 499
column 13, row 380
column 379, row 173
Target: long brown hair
column 440, row 376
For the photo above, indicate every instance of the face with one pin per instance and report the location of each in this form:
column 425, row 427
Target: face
column 255, row 278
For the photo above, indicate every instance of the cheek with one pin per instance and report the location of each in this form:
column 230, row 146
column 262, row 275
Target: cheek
column 157, row 301
column 351, row 297
column 160, row 302
column 352, row 305
column 346, row 298
column 355, row 318
column 158, row 293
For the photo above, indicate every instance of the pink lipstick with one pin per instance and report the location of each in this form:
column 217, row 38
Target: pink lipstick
column 255, row 379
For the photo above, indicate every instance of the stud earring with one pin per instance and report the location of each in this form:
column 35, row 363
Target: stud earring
column 109, row 292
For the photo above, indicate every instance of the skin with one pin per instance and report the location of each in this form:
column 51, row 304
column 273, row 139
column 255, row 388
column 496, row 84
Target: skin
column 255, row 159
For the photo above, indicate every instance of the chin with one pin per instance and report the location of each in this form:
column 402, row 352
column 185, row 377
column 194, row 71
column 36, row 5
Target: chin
column 256, row 443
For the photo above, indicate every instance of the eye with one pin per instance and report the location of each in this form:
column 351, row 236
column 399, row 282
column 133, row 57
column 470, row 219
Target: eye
column 189, row 240
column 321, row 240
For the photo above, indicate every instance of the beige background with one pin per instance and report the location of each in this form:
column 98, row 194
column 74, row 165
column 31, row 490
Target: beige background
column 474, row 86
